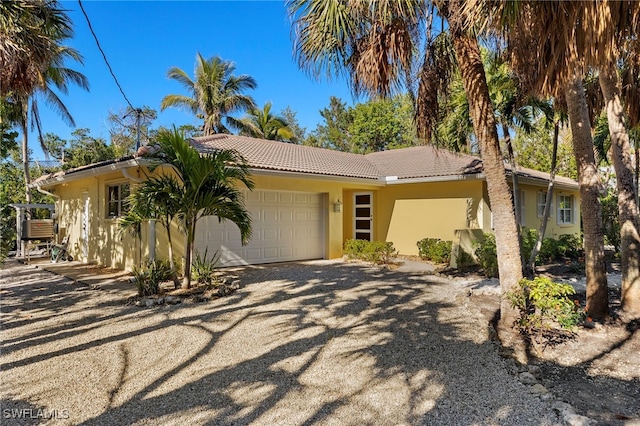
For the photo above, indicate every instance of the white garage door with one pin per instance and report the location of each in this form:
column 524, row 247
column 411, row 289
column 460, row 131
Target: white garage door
column 286, row 226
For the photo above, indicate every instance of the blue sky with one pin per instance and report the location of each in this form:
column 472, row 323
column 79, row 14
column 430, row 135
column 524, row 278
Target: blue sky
column 142, row 39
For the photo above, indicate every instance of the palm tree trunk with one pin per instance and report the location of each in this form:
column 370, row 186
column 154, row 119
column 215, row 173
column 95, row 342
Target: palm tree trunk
column 172, row 264
column 481, row 109
column 547, row 201
column 627, row 198
column 25, row 156
column 191, row 230
column 514, row 184
column 590, row 185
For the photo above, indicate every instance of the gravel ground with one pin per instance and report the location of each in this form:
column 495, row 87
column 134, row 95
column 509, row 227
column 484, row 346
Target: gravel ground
column 298, row 344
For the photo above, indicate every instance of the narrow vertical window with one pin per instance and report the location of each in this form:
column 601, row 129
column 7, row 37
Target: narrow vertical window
column 565, row 209
column 116, row 199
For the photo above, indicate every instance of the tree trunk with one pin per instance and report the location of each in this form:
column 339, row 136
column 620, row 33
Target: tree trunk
column 547, row 202
column 627, row 198
column 481, row 109
column 186, row 281
column 515, row 187
column 25, row 157
column 590, row 185
column 172, row 265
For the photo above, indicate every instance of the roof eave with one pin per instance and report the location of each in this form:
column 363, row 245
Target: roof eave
column 89, row 172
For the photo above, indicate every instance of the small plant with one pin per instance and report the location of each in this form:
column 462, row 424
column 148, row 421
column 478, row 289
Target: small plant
column 378, row 252
column 434, row 249
column 485, row 251
column 203, row 269
column 149, row 277
column 543, row 304
column 353, row 249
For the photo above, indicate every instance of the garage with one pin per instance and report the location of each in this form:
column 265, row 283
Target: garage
column 286, row 226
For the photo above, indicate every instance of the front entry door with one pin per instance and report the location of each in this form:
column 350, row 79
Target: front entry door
column 363, row 216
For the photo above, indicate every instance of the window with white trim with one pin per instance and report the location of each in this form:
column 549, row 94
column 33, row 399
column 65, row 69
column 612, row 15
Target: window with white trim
column 565, row 209
column 116, row 199
column 541, row 201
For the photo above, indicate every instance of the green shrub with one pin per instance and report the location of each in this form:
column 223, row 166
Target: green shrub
column 149, row 277
column 353, row 249
column 529, row 238
column 485, row 251
column 544, row 303
column 203, row 270
column 378, row 252
column 434, row 249
column 610, row 219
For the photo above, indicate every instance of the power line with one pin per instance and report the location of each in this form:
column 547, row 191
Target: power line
column 95, row 37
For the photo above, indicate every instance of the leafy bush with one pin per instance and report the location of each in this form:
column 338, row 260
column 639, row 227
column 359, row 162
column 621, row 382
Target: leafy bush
column 203, row 270
column 610, row 219
column 353, row 249
column 567, row 245
column 149, row 277
column 529, row 238
column 378, row 252
column 485, row 251
column 434, row 249
column 544, row 303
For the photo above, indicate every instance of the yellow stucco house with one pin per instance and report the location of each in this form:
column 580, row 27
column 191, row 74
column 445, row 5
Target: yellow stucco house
column 306, row 203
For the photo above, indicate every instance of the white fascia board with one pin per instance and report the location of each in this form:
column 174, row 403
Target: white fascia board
column 92, row 171
column 453, row 178
column 301, row 175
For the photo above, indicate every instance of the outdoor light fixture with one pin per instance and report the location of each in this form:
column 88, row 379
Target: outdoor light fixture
column 337, row 206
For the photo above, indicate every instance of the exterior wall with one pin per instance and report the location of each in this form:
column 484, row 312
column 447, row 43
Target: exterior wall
column 407, row 213
column 106, row 244
column 402, row 214
column 554, row 228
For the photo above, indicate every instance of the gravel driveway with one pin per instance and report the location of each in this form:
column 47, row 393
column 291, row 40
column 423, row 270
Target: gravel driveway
column 299, row 344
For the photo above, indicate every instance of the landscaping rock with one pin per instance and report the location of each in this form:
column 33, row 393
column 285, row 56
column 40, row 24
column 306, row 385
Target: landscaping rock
column 578, row 420
column 149, row 302
column 535, row 371
column 172, row 300
column 527, row 378
column 538, row 389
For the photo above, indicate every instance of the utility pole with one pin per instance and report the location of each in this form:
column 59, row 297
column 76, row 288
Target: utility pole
column 138, row 115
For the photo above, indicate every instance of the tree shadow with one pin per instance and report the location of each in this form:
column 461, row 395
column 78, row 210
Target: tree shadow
column 298, row 344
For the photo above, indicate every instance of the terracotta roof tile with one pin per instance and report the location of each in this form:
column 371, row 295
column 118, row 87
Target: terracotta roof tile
column 272, row 155
column 423, row 161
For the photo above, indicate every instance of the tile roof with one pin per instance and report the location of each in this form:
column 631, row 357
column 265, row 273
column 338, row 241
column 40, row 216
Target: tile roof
column 414, row 162
column 419, row 162
column 423, row 161
column 272, row 155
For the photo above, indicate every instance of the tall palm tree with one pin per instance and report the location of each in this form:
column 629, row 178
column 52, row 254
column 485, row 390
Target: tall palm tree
column 214, row 94
column 552, row 44
column 206, row 185
column 375, row 42
column 32, row 59
column 261, row 123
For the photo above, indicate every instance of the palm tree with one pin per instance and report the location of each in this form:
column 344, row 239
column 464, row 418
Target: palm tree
column 215, row 93
column 36, row 30
column 260, row 123
column 157, row 198
column 374, row 42
column 204, row 184
column 552, row 43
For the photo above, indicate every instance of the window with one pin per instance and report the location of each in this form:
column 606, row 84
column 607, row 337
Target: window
column 116, row 199
column 565, row 209
column 542, row 199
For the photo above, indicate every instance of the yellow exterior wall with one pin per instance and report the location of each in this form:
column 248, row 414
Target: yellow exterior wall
column 554, row 229
column 402, row 214
column 106, row 244
column 407, row 213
